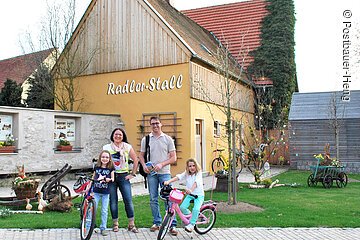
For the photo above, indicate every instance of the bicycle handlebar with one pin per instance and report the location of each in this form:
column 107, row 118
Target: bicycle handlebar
column 219, row 150
column 182, row 190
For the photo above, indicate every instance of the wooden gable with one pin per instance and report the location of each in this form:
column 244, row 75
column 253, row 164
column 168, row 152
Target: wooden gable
column 125, row 35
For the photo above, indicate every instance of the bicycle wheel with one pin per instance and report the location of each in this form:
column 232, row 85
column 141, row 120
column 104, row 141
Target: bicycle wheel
column 58, row 190
column 165, row 225
column 217, row 165
column 88, row 220
column 205, row 221
column 81, row 209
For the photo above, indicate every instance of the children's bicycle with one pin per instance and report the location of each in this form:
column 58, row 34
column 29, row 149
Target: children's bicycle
column 173, row 197
column 87, row 207
column 219, row 163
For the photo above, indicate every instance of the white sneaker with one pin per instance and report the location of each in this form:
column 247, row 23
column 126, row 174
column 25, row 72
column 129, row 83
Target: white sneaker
column 189, row 227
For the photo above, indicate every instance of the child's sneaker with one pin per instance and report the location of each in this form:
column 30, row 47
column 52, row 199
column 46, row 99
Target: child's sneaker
column 189, row 228
column 104, row 232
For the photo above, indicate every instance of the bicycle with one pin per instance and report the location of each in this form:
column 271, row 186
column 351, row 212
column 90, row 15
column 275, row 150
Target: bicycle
column 219, row 163
column 205, row 221
column 87, row 207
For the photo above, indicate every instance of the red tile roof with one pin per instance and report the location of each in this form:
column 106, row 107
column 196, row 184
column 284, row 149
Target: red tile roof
column 237, row 25
column 21, row 67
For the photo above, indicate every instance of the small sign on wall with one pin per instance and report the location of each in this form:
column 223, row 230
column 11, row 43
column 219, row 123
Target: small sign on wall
column 65, row 129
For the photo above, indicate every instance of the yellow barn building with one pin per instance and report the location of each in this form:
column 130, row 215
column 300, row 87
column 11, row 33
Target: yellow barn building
column 150, row 59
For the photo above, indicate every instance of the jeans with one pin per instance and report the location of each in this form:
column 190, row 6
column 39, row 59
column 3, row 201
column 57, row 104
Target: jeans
column 184, row 207
column 153, row 185
column 125, row 190
column 104, row 208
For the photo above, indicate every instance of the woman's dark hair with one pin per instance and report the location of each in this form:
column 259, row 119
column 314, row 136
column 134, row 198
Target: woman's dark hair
column 123, row 132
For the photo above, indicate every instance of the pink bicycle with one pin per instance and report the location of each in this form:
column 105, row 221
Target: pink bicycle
column 173, row 198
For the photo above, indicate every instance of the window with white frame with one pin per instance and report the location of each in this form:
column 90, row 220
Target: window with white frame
column 65, row 129
column 6, row 130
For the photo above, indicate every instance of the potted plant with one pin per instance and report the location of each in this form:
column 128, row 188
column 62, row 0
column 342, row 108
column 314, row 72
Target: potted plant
column 23, row 186
column 8, row 146
column 64, row 145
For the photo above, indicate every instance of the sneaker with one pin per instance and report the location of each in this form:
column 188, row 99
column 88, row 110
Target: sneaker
column 189, row 228
column 173, row 231
column 104, row 233
column 96, row 230
column 154, row 228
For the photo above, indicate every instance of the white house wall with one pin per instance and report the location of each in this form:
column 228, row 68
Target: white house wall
column 33, row 130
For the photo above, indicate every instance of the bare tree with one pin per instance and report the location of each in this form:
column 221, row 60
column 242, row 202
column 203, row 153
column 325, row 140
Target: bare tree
column 58, row 31
column 336, row 114
column 230, row 92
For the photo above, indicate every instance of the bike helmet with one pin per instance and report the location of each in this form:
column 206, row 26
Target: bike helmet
column 81, row 185
column 165, row 192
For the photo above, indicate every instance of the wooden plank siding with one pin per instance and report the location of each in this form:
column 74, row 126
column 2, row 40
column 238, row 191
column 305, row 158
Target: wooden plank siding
column 311, row 128
column 208, row 86
column 309, row 138
column 128, row 35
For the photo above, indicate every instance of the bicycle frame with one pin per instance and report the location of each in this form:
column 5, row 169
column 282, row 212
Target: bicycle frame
column 205, row 220
column 86, row 197
column 87, row 213
column 185, row 218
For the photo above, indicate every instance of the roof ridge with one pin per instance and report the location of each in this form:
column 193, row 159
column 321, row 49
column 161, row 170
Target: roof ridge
column 247, row 2
column 27, row 54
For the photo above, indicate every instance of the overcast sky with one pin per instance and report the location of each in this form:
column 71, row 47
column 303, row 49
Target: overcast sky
column 318, row 35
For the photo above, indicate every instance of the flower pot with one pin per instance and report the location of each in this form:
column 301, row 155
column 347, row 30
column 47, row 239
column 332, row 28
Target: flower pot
column 222, row 184
column 7, row 149
column 26, row 189
column 64, row 148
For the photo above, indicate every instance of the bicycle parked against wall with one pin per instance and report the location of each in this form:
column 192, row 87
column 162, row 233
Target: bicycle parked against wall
column 251, row 162
column 220, row 163
column 173, row 198
column 87, row 207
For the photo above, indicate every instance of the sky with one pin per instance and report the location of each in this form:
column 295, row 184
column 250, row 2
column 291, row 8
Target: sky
column 326, row 32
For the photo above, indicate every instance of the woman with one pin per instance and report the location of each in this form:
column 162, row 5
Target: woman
column 121, row 152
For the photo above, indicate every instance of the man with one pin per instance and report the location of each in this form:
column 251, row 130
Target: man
column 162, row 154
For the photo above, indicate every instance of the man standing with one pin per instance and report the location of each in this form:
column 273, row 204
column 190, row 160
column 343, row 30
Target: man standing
column 162, row 154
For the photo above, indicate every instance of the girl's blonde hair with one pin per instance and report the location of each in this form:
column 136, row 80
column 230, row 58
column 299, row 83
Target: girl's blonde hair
column 197, row 166
column 110, row 164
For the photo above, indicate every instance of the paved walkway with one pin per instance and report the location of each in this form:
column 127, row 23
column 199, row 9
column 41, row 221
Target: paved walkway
column 216, row 233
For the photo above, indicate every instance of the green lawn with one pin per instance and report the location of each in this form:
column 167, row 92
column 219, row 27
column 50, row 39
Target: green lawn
column 283, row 207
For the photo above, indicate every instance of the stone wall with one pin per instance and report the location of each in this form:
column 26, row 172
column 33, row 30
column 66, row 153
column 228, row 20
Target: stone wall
column 33, row 130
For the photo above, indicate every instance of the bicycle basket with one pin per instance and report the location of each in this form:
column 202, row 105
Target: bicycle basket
column 81, row 185
column 176, row 196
